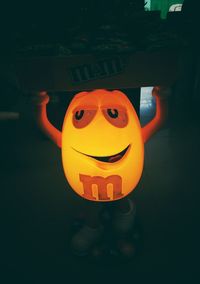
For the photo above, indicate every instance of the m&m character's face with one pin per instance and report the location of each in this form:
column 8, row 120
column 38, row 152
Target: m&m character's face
column 102, row 146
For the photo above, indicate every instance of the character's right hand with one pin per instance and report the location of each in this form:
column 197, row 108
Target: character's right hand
column 40, row 98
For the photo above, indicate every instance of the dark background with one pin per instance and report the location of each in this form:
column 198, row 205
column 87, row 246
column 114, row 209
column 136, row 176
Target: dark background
column 37, row 205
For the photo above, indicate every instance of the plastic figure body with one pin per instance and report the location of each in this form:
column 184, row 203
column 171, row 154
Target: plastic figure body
column 102, row 142
column 102, row 146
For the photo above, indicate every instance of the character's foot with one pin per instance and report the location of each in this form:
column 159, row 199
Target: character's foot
column 85, row 239
column 126, row 248
column 124, row 222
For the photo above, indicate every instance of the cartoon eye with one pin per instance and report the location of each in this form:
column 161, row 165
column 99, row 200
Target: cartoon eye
column 113, row 113
column 82, row 118
column 79, row 114
column 117, row 117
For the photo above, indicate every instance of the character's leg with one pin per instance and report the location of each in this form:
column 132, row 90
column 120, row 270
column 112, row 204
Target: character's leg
column 91, row 232
column 124, row 215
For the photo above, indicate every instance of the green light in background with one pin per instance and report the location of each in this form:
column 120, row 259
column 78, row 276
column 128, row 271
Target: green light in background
column 163, row 6
column 147, row 5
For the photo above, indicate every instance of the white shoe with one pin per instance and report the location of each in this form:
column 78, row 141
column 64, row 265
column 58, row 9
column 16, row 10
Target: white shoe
column 124, row 222
column 85, row 239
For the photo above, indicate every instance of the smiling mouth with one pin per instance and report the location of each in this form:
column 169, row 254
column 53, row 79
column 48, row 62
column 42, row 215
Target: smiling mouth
column 109, row 159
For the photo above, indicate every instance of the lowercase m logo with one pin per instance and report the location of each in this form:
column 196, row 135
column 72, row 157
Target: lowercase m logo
column 102, row 184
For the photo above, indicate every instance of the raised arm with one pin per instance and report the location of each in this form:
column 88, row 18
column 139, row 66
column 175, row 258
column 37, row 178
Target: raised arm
column 161, row 94
column 41, row 100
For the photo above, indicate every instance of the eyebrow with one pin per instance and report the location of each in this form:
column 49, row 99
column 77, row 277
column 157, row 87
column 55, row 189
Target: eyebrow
column 113, row 106
column 95, row 107
column 85, row 107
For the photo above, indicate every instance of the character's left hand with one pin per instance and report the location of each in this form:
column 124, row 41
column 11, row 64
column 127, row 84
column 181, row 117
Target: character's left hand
column 161, row 92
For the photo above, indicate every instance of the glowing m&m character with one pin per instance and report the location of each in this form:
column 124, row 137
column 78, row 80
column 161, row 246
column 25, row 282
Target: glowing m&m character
column 102, row 142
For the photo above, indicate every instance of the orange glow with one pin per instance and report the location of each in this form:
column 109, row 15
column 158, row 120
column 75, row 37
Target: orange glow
column 102, row 141
column 102, row 145
column 53, row 133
